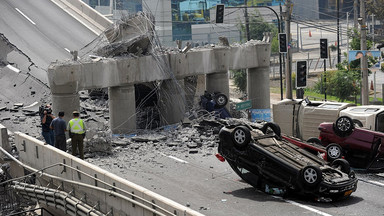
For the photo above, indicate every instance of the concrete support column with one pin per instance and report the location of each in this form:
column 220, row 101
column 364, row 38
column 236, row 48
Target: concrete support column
column 218, row 82
column 65, row 102
column 200, row 88
column 122, row 109
column 258, row 87
column 172, row 101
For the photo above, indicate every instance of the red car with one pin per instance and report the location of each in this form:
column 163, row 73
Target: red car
column 361, row 147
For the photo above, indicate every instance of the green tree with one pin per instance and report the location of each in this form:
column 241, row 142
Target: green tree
column 240, row 80
column 346, row 81
column 376, row 7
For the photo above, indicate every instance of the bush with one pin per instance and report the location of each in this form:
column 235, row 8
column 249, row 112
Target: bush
column 341, row 84
column 240, row 80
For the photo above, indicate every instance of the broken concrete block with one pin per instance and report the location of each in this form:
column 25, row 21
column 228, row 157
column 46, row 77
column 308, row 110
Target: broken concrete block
column 3, row 108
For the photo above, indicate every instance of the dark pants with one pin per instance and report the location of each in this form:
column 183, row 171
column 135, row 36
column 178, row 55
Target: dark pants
column 77, row 143
column 49, row 137
column 61, row 142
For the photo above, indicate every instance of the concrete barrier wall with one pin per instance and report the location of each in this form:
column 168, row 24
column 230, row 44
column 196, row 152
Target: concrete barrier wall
column 87, row 12
column 34, row 153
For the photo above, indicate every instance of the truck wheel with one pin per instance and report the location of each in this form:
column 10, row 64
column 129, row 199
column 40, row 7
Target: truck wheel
column 342, row 165
column 344, row 126
column 311, row 175
column 334, row 151
column 221, row 100
column 272, row 126
column 314, row 140
column 241, row 136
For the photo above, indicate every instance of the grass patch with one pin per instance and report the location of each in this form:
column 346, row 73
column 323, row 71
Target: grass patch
column 319, row 97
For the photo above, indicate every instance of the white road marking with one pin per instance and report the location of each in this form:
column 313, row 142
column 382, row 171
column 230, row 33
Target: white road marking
column 25, row 16
column 13, row 68
column 376, row 183
column 174, row 158
column 66, row 49
column 304, row 207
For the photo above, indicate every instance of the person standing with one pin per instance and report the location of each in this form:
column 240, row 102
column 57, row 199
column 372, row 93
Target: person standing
column 46, row 119
column 76, row 129
column 59, row 126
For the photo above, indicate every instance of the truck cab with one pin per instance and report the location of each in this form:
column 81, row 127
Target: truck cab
column 369, row 116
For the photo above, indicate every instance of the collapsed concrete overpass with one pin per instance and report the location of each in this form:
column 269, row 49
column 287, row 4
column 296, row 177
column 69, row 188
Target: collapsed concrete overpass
column 121, row 73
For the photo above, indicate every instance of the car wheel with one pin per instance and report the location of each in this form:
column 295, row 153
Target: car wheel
column 342, row 165
column 311, row 175
column 271, row 126
column 344, row 126
column 241, row 136
column 357, row 123
column 334, row 151
column 221, row 100
column 314, row 140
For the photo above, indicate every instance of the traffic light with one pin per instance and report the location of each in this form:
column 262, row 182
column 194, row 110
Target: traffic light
column 219, row 13
column 283, row 44
column 301, row 74
column 324, row 48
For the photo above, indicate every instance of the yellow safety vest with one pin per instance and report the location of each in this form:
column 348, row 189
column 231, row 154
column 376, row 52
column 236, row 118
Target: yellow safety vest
column 76, row 126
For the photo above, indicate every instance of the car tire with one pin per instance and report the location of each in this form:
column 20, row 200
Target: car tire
column 334, row 151
column 221, row 100
column 241, row 136
column 311, row 175
column 344, row 126
column 273, row 126
column 314, row 140
column 357, row 123
column 342, row 165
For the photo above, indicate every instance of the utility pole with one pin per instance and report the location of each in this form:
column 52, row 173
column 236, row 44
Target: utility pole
column 338, row 31
column 363, row 61
column 347, row 35
column 355, row 14
column 246, row 21
column 280, row 55
column 288, row 71
column 373, row 30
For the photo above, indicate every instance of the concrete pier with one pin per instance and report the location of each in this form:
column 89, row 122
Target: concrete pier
column 122, row 109
column 258, row 87
column 65, row 102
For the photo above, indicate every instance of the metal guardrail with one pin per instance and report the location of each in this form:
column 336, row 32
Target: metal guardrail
column 39, row 193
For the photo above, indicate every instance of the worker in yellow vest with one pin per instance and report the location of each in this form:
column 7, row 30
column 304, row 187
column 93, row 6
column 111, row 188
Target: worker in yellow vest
column 76, row 129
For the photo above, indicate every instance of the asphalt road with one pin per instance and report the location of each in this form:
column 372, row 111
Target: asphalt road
column 43, row 31
column 209, row 186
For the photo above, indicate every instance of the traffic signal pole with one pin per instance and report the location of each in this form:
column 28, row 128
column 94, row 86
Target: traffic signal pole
column 288, row 70
column 324, row 55
column 325, row 79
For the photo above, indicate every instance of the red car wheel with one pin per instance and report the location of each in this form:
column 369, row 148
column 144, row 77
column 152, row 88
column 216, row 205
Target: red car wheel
column 334, row 151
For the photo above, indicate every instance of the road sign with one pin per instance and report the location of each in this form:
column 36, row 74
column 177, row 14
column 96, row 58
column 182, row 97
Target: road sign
column 244, row 105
